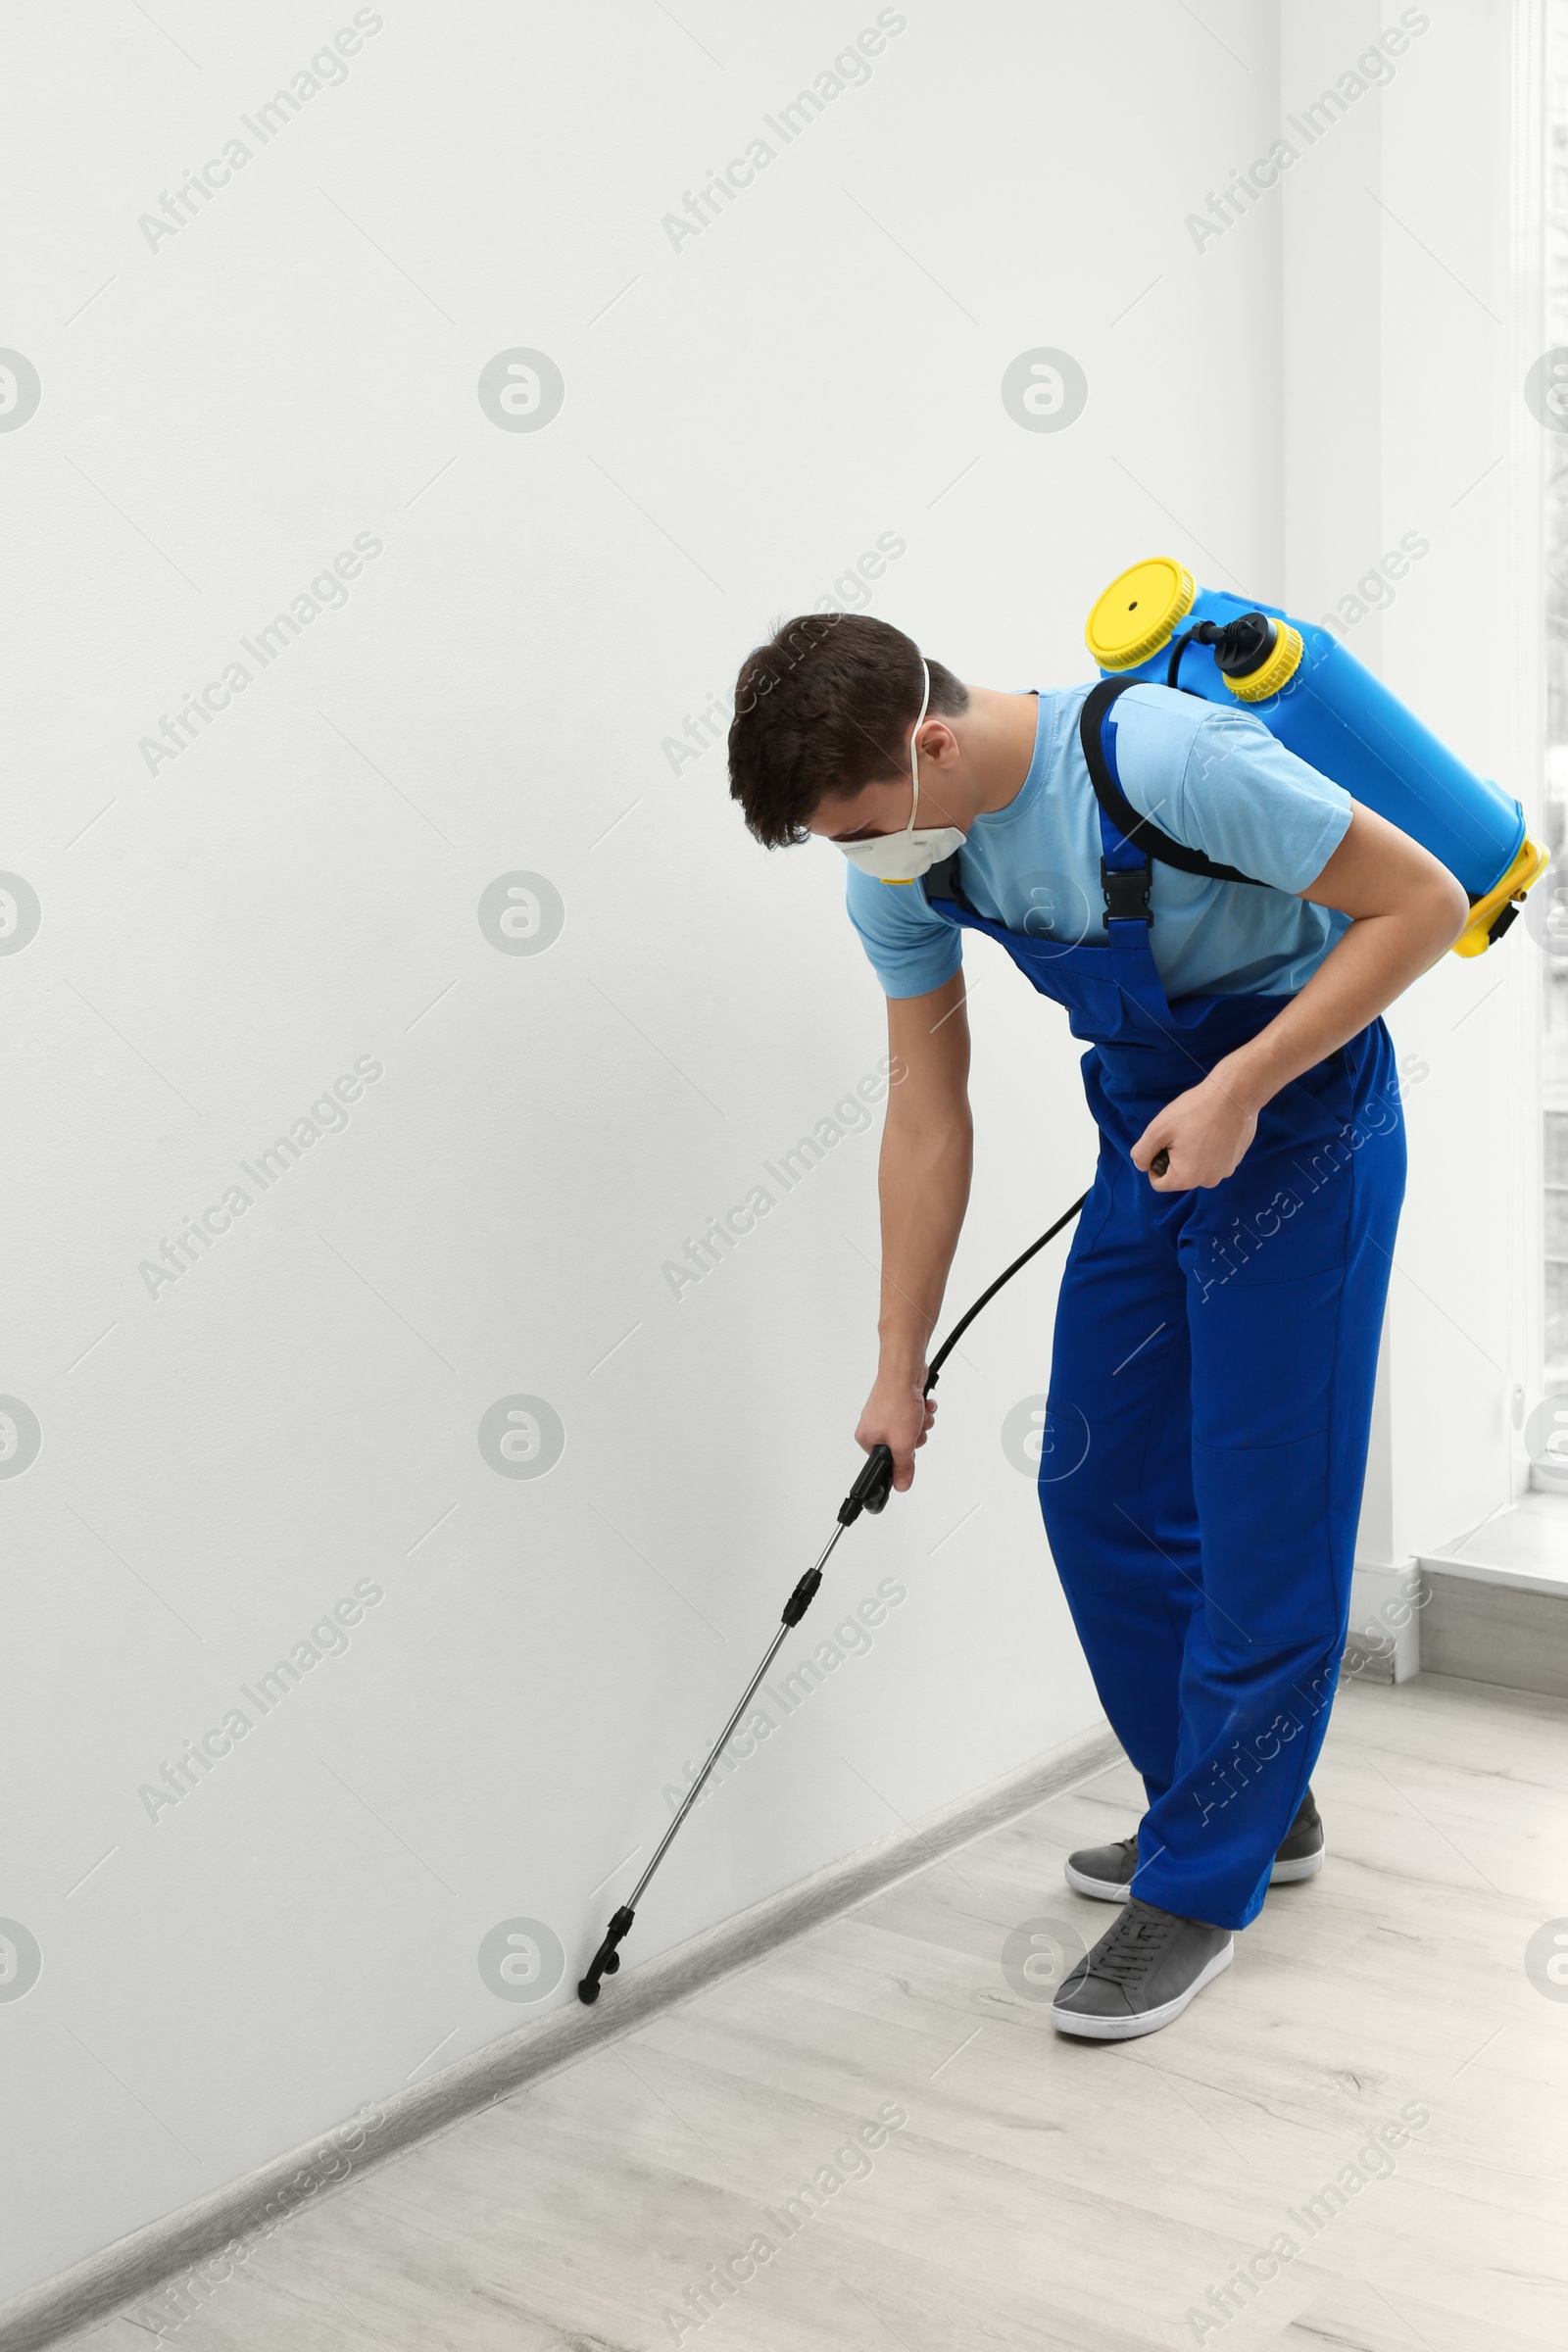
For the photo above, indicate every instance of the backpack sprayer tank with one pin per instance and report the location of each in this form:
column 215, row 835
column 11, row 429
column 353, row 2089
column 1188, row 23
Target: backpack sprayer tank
column 1321, row 703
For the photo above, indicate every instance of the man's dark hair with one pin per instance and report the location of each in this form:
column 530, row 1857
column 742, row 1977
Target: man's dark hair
column 824, row 707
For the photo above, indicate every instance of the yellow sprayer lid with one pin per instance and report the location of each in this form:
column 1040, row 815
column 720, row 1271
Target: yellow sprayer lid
column 1138, row 613
column 1270, row 675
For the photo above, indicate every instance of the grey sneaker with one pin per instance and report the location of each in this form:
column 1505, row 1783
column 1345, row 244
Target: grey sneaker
column 1300, row 1853
column 1141, row 1974
column 1106, row 1870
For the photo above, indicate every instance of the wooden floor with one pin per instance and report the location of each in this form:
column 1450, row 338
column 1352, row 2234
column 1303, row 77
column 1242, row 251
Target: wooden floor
column 1042, row 2192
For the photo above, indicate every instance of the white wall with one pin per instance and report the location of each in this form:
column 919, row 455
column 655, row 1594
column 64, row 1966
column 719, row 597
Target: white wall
column 219, row 940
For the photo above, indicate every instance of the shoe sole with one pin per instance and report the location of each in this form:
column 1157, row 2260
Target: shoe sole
column 1115, row 1890
column 1305, row 1866
column 1128, row 2028
column 1104, row 1891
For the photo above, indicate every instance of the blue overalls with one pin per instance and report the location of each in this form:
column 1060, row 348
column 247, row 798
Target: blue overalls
column 1210, row 1400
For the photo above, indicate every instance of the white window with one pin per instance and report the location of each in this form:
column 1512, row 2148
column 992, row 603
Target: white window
column 1555, row 935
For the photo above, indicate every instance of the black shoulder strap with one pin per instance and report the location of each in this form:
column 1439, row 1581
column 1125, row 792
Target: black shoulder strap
column 940, row 881
column 1134, row 828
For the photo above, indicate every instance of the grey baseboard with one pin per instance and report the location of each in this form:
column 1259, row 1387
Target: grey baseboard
column 1490, row 1632
column 172, row 2248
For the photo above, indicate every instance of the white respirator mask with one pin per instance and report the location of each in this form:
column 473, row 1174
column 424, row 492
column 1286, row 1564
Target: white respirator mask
column 904, row 857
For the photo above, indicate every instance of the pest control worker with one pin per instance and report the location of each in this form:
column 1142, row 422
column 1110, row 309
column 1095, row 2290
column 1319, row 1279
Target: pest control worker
column 1218, row 1328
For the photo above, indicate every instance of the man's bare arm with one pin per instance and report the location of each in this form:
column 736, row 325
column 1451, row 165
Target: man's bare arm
column 927, row 1155
column 1405, row 910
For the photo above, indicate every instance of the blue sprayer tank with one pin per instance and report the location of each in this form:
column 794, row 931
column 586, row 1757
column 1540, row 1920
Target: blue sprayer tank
column 1155, row 623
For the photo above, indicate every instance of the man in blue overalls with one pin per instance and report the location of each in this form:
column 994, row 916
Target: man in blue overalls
column 1218, row 1329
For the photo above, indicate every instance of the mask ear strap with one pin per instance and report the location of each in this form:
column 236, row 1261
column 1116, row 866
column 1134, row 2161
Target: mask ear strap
column 914, row 757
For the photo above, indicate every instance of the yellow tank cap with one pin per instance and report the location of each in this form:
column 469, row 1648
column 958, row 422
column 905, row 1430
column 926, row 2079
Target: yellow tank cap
column 1526, row 869
column 1138, row 612
column 1281, row 663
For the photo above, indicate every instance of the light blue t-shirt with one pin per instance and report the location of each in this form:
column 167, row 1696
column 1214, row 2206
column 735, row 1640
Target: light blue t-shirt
column 1214, row 779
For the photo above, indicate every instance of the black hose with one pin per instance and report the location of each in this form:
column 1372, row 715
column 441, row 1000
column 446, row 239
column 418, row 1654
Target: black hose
column 1176, row 652
column 986, row 1297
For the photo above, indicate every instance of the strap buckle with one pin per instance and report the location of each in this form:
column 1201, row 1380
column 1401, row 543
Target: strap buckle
column 1126, row 892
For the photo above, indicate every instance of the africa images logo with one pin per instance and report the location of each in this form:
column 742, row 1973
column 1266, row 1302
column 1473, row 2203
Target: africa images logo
column 521, row 389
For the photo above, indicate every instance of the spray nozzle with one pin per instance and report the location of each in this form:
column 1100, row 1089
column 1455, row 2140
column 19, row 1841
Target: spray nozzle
column 1241, row 646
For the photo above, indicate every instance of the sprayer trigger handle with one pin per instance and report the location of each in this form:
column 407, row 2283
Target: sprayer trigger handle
column 878, row 1478
column 871, row 1489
